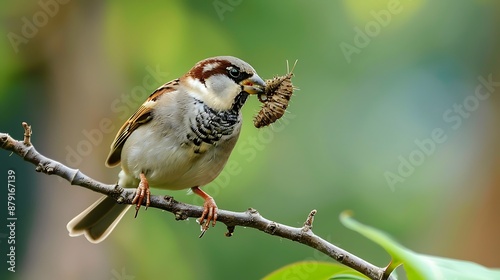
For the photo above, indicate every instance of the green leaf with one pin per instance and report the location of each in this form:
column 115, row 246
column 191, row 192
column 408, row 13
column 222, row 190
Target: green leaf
column 315, row 271
column 419, row 266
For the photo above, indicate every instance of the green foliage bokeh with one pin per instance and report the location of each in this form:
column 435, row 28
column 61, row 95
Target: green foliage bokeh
column 355, row 115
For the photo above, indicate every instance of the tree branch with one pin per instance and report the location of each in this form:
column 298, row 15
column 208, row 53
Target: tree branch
column 250, row 218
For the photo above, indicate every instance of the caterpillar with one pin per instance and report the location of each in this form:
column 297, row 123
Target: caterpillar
column 275, row 99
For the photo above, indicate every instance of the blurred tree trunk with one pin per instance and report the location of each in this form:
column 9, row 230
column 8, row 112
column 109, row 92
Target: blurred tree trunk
column 70, row 50
column 478, row 240
column 478, row 230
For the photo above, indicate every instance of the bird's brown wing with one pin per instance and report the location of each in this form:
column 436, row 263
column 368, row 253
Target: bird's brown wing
column 142, row 116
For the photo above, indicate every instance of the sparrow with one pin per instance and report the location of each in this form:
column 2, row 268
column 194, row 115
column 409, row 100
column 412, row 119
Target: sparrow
column 180, row 137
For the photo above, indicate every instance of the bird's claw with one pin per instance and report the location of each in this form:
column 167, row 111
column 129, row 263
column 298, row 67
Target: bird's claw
column 141, row 193
column 210, row 213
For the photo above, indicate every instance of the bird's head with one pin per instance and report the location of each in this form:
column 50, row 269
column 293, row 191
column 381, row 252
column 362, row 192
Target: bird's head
column 223, row 82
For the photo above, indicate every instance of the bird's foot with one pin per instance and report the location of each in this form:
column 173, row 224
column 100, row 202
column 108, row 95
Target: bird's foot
column 141, row 193
column 209, row 211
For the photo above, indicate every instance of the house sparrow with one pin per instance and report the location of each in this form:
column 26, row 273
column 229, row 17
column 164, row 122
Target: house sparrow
column 181, row 137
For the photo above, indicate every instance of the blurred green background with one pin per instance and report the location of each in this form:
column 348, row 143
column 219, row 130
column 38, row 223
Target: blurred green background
column 375, row 78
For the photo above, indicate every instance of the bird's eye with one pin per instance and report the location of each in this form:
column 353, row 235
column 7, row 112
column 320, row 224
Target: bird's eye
column 233, row 72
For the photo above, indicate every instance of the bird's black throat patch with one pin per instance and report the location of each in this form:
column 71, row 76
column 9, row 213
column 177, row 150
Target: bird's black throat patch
column 209, row 125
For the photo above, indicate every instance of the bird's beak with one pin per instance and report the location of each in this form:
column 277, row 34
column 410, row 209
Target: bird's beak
column 253, row 85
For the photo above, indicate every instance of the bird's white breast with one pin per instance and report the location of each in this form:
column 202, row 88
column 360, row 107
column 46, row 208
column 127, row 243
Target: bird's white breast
column 161, row 149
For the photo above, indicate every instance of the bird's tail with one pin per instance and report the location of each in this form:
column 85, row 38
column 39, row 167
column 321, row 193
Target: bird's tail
column 98, row 220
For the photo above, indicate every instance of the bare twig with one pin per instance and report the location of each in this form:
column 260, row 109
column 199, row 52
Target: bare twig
column 250, row 218
column 308, row 225
column 27, row 134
